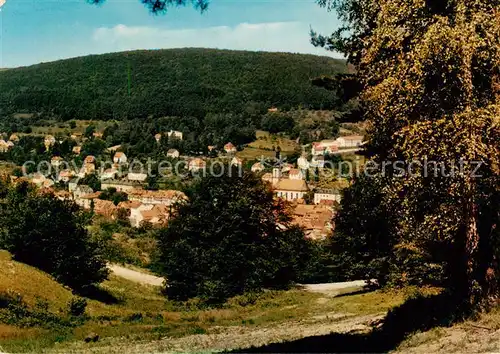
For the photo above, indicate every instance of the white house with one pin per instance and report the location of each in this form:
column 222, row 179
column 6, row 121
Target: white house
column 303, row 163
column 236, row 161
column 327, row 194
column 290, row 189
column 48, row 141
column 318, row 161
column 56, row 161
column 175, row 134
column 138, row 177
column 295, row 174
column 120, row 158
column 196, row 164
column 4, row 147
column 76, row 150
column 287, row 167
column 350, row 141
column 65, row 175
column 161, row 197
column 158, row 137
column 110, row 173
column 82, row 190
column 324, row 147
column 257, row 167
column 120, row 186
column 173, row 153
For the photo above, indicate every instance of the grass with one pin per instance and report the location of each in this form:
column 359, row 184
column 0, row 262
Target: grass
column 54, row 127
column 141, row 314
column 263, row 146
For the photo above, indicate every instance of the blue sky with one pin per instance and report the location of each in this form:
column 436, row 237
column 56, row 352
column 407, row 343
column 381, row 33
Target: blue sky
column 33, row 31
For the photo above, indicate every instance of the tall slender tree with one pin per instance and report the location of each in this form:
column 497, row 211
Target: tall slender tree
column 429, row 80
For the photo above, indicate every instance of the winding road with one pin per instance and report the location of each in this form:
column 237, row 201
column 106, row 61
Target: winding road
column 148, row 279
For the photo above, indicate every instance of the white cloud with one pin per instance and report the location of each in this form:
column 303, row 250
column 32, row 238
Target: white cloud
column 272, row 36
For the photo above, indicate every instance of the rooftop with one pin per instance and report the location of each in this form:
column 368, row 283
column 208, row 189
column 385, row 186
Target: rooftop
column 292, row 185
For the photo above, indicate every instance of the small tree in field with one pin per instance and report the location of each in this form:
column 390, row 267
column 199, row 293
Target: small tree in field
column 47, row 233
column 232, row 237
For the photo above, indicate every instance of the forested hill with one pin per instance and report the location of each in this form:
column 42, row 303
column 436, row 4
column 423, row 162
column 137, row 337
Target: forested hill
column 174, row 82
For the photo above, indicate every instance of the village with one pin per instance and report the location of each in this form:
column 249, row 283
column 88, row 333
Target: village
column 313, row 206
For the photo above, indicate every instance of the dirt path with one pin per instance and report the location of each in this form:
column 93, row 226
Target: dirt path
column 328, row 287
column 143, row 278
column 135, row 276
column 227, row 338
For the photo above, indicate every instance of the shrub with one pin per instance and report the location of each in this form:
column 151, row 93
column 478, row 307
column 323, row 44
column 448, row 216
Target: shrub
column 77, row 306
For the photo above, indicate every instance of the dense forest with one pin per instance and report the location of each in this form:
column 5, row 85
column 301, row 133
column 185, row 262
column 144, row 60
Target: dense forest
column 176, row 82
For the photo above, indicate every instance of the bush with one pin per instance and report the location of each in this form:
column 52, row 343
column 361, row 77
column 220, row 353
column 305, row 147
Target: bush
column 77, row 306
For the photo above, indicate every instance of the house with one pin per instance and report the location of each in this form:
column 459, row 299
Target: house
column 236, row 161
column 4, row 147
column 88, row 168
column 76, row 150
column 39, row 179
column 257, row 167
column 135, row 209
column 10, row 144
column 325, row 147
column 173, row 153
column 158, row 137
column 120, row 158
column 76, row 136
column 113, row 148
column 174, row 134
column 303, row 163
column 48, row 141
column 211, row 148
column 295, row 174
column 315, row 219
column 286, row 167
column 104, row 208
column 120, row 186
column 326, row 194
column 273, row 177
column 56, row 161
column 140, row 213
column 109, row 173
column 160, row 197
column 290, row 189
column 65, row 176
column 318, row 161
column 15, row 138
column 97, row 135
column 197, row 165
column 229, row 148
column 350, row 141
column 272, row 110
column 158, row 215
column 137, row 177
column 89, row 160
column 63, row 195
column 72, row 185
column 317, row 149
column 82, row 190
column 85, row 201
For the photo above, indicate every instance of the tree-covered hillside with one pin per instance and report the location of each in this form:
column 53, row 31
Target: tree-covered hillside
column 176, row 82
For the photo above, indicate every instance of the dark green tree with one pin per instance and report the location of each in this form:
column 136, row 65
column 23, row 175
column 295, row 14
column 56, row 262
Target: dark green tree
column 231, row 237
column 50, row 234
